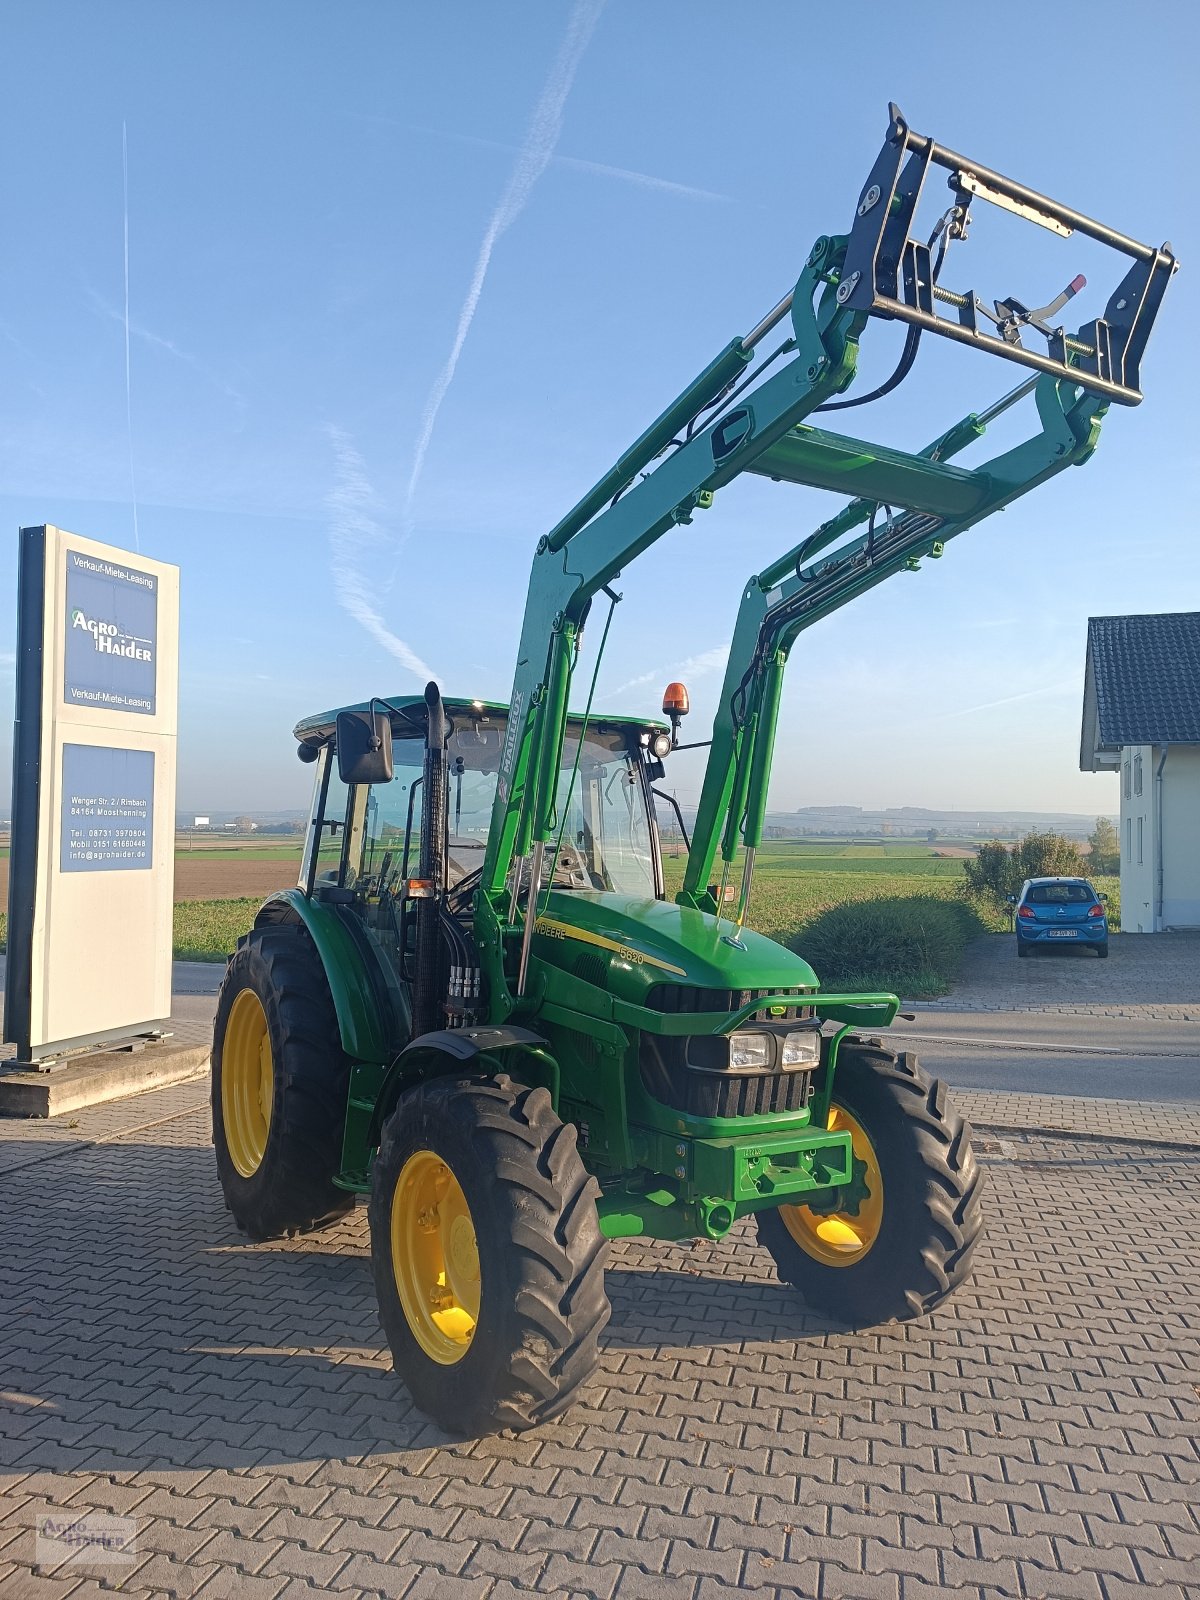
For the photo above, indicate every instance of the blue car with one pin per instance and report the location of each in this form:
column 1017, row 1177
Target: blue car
column 1061, row 911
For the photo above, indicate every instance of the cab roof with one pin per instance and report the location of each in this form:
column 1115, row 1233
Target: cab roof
column 410, row 723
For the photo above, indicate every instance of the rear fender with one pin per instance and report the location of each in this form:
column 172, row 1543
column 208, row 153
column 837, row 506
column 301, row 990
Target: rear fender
column 356, row 1001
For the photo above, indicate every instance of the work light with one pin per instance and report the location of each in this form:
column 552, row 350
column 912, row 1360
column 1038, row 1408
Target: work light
column 750, row 1049
column 801, row 1049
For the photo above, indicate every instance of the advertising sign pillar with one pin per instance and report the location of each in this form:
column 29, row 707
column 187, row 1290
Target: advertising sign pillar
column 91, row 863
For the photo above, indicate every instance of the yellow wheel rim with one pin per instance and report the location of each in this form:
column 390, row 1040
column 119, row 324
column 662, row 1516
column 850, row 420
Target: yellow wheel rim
column 838, row 1238
column 435, row 1257
column 247, row 1083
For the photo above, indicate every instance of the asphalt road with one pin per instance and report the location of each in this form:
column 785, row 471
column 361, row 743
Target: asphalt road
column 1099, row 1057
column 1109, row 1058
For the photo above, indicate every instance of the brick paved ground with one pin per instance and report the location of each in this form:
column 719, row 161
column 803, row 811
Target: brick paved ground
column 1127, row 1121
column 1150, row 976
column 1036, row 1438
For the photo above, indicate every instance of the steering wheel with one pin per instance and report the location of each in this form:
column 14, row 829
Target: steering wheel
column 570, row 868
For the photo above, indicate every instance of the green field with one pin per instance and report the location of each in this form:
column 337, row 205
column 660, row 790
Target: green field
column 907, row 931
column 208, row 930
column 256, row 852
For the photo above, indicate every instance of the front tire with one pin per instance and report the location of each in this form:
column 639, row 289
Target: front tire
column 487, row 1254
column 279, row 1083
column 900, row 1238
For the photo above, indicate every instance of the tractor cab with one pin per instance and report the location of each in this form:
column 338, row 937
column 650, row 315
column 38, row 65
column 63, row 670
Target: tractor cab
column 364, row 847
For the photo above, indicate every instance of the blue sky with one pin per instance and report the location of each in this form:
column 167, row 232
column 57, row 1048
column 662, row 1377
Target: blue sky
column 404, row 280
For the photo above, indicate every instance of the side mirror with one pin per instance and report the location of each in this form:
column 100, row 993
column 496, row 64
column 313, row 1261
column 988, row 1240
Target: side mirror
column 1011, row 898
column 1103, row 897
column 364, row 747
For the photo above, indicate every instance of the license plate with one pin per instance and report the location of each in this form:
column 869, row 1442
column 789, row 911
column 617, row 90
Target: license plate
column 1064, row 933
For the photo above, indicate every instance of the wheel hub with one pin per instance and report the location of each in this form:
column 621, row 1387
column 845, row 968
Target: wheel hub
column 435, row 1257
column 247, row 1083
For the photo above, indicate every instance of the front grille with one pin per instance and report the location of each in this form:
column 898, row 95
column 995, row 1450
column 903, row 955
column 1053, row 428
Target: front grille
column 710, row 1094
column 676, row 998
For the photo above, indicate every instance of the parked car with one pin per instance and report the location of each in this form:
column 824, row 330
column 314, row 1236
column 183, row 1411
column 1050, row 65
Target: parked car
column 1059, row 911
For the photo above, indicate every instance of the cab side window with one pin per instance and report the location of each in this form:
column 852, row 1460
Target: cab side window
column 332, row 830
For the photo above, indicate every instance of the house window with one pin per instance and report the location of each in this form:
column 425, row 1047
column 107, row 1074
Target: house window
column 1137, row 774
column 1139, row 841
column 1128, row 839
column 1125, row 777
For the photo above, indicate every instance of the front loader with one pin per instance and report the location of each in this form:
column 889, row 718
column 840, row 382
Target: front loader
column 479, row 1007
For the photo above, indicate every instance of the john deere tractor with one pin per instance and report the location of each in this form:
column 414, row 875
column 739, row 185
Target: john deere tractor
column 481, row 1008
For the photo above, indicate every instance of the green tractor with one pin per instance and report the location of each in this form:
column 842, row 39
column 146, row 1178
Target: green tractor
column 480, row 1007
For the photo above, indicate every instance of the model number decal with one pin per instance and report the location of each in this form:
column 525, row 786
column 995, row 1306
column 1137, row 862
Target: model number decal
column 563, row 930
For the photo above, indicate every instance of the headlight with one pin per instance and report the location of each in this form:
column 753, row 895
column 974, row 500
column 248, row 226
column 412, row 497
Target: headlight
column 749, row 1049
column 661, row 745
column 801, row 1049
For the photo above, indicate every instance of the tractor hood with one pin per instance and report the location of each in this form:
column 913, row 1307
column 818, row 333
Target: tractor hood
column 629, row 945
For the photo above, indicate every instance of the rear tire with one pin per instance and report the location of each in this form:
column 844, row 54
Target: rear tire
column 1102, row 950
column 487, row 1254
column 279, row 1084
column 1022, row 949
column 920, row 1239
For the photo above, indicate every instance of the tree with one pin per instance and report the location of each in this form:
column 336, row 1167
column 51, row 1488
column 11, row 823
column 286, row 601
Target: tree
column 1105, row 859
column 1048, row 855
column 998, row 871
column 992, row 871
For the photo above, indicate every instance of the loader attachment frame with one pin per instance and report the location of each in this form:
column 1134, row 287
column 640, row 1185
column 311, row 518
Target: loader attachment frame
column 889, row 273
column 734, row 418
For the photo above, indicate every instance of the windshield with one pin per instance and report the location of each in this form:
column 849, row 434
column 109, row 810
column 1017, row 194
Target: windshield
column 602, row 820
column 1059, row 894
column 602, row 830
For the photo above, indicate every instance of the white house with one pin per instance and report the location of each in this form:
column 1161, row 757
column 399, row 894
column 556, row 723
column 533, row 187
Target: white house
column 1141, row 719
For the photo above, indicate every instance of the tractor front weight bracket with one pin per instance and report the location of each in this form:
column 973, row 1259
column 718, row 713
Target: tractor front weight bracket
column 716, row 1181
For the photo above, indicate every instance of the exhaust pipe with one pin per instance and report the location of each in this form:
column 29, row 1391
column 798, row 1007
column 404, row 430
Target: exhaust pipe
column 427, row 1008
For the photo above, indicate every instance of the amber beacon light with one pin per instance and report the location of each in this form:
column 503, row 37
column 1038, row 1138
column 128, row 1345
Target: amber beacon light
column 675, row 705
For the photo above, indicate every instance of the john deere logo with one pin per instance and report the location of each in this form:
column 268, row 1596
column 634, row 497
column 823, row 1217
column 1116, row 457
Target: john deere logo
column 108, row 639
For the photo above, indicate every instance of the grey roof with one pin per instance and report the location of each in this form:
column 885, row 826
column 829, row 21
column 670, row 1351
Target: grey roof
column 1146, row 672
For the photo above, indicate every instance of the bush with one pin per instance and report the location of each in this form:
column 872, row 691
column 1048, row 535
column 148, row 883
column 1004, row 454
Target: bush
column 911, row 946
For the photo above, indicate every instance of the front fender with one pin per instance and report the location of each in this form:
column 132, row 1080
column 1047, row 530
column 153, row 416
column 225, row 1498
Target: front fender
column 356, row 1001
column 435, row 1054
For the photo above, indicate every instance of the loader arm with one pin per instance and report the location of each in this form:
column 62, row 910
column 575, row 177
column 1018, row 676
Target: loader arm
column 805, row 585
column 710, row 435
column 618, row 520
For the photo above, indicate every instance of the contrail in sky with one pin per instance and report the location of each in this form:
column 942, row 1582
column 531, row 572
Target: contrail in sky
column 357, row 540
column 1011, row 699
column 545, row 126
column 354, row 533
column 137, row 543
column 134, row 330
column 643, row 180
column 694, row 667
